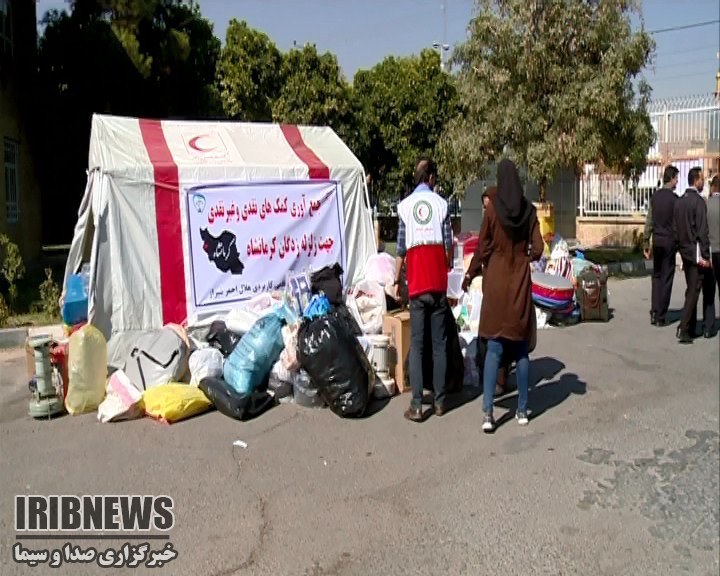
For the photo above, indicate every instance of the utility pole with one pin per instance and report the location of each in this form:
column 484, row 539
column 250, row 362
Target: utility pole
column 444, row 47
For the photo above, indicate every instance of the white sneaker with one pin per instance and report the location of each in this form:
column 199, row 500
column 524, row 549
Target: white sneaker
column 488, row 424
column 522, row 418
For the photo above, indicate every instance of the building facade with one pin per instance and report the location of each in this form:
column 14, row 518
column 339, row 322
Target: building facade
column 20, row 214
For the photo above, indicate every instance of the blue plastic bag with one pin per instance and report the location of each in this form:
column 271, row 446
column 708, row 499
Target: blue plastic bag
column 319, row 306
column 252, row 359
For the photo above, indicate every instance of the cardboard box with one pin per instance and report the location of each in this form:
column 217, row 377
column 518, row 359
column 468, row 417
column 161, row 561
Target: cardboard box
column 396, row 325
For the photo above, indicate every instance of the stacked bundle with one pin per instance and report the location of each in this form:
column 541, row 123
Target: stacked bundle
column 555, row 294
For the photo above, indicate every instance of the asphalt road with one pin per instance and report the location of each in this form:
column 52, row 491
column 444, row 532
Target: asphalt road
column 617, row 474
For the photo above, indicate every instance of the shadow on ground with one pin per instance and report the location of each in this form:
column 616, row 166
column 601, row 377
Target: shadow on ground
column 544, row 397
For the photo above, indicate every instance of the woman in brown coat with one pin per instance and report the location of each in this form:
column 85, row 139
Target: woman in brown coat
column 509, row 240
column 475, row 269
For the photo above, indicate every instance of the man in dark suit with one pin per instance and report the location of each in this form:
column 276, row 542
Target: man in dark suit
column 660, row 240
column 711, row 278
column 691, row 233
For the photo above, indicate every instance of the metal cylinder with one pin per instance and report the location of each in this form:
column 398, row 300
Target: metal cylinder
column 43, row 370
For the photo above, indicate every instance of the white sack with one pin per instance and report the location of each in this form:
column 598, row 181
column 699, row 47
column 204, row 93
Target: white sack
column 122, row 400
column 205, row 363
column 366, row 302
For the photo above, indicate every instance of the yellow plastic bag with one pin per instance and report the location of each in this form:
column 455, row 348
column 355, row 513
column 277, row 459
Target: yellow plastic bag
column 87, row 370
column 173, row 402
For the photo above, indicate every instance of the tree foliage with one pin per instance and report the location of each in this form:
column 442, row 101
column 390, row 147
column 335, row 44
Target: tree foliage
column 151, row 58
column 552, row 81
column 248, row 73
column 403, row 105
column 313, row 91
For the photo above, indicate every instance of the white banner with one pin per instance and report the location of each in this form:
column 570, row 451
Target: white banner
column 245, row 238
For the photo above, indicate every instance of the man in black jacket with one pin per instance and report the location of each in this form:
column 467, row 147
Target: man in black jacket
column 691, row 234
column 659, row 234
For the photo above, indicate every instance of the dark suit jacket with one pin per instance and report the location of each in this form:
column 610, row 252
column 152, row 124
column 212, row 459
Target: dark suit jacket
column 691, row 226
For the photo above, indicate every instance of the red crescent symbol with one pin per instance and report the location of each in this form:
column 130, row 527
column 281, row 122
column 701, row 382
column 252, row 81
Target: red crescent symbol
column 194, row 144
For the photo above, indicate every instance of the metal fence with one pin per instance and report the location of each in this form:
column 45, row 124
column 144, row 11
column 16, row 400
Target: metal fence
column 688, row 135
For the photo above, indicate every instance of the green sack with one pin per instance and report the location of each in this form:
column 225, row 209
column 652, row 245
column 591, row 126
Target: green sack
column 591, row 296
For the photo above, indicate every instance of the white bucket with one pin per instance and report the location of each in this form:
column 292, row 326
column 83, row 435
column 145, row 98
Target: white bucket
column 379, row 356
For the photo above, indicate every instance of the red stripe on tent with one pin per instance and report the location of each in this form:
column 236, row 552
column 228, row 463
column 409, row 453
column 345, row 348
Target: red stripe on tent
column 167, row 217
column 318, row 170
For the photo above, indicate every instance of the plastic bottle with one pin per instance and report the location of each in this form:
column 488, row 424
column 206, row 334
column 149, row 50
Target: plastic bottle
column 87, row 370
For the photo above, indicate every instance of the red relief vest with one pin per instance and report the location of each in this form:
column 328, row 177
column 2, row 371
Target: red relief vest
column 423, row 213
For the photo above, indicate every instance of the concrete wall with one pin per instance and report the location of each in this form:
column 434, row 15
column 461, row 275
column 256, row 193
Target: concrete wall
column 615, row 232
column 17, row 73
column 562, row 192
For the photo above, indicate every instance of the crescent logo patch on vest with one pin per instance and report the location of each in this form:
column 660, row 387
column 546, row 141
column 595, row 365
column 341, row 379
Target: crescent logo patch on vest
column 422, row 212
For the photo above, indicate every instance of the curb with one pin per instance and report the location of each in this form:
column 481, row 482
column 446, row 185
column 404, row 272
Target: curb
column 635, row 267
column 16, row 337
column 13, row 338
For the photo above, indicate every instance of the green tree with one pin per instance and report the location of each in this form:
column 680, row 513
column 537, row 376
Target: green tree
column 314, row 91
column 248, row 73
column 147, row 58
column 403, row 105
column 553, row 82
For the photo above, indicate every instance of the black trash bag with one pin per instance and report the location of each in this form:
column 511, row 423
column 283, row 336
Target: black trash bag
column 336, row 364
column 221, row 338
column 455, row 370
column 343, row 313
column 329, row 281
column 232, row 404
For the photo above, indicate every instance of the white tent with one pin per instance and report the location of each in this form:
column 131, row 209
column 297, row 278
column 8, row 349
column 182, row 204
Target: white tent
column 134, row 219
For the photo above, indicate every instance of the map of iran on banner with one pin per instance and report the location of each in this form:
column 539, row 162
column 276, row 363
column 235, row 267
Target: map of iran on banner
column 245, row 238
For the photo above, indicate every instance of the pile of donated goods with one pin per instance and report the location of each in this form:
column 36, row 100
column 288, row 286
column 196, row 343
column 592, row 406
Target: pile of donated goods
column 310, row 345
column 313, row 344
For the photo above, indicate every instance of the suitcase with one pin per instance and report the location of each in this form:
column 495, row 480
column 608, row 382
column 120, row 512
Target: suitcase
column 592, row 298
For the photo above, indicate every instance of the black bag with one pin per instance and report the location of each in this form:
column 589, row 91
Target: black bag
column 232, row 404
column 220, row 338
column 328, row 280
column 336, row 364
column 342, row 313
column 591, row 296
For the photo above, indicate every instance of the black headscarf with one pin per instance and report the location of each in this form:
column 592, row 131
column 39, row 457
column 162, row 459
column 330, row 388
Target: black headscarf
column 512, row 208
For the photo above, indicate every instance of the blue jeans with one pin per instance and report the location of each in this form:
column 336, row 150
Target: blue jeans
column 428, row 314
column 519, row 353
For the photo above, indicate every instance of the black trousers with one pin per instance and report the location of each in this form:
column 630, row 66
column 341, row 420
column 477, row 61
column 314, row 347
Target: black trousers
column 428, row 314
column 694, row 276
column 711, row 280
column 662, row 281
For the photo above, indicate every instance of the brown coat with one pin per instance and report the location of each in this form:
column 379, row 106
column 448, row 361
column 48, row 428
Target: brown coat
column 507, row 289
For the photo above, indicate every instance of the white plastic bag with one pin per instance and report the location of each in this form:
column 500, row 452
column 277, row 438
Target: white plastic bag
column 205, row 363
column 366, row 302
column 454, row 289
column 241, row 319
column 123, row 401
column 380, row 268
column 288, row 356
column 543, row 317
column 472, row 301
column 559, row 248
column 280, row 373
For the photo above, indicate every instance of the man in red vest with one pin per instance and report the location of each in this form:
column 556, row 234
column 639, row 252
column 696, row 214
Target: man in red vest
column 425, row 246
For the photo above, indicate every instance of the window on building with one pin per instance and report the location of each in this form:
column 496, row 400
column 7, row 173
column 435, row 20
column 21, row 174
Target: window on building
column 6, row 28
column 12, row 180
